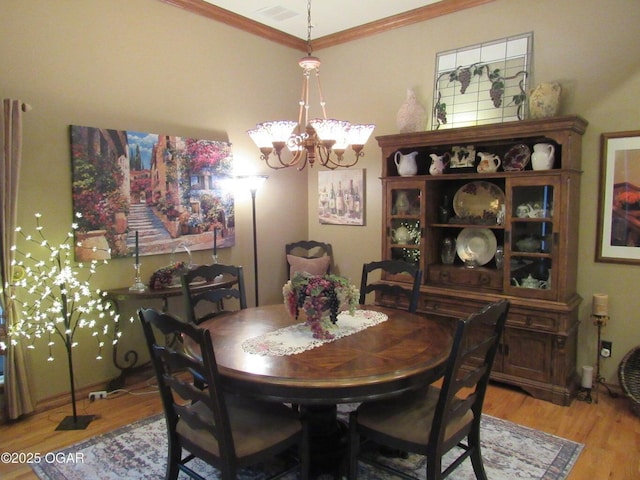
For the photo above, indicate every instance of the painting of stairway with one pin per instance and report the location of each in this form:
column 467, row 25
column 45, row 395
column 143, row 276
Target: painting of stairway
column 167, row 191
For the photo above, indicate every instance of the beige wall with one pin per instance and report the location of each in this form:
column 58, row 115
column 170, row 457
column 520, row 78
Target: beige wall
column 592, row 50
column 147, row 66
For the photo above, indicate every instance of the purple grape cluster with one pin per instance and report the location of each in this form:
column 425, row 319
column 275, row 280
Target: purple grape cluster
column 464, row 77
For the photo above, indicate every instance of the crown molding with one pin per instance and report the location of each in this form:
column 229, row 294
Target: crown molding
column 444, row 7
column 200, row 7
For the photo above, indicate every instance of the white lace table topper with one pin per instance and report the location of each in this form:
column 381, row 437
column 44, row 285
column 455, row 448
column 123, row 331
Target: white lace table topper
column 299, row 337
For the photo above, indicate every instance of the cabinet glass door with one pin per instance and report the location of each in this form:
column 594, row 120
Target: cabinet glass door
column 532, row 237
column 404, row 201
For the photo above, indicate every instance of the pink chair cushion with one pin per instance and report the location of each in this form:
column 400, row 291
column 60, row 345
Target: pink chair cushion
column 314, row 266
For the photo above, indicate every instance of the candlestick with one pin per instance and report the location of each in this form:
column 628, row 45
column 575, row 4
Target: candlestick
column 137, row 286
column 600, row 321
column 137, row 250
column 600, row 304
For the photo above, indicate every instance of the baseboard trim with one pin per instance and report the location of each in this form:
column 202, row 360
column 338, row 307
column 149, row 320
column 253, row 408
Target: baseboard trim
column 64, row 398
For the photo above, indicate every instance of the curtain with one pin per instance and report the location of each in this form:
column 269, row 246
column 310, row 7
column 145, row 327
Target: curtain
column 16, row 382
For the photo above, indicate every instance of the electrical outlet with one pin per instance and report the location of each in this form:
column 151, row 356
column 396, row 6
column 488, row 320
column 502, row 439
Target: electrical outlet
column 97, row 395
column 606, row 348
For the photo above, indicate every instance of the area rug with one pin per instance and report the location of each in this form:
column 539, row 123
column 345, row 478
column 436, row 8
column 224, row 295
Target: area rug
column 138, row 452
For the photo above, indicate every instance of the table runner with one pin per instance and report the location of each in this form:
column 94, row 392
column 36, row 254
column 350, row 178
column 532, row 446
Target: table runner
column 299, row 337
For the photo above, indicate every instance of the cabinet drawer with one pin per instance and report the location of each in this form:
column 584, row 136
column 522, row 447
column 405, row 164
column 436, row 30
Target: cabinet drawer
column 453, row 307
column 460, row 276
column 538, row 320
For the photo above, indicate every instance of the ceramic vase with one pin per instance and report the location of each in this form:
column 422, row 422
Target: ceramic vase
column 402, row 204
column 448, row 250
column 412, row 116
column 544, row 100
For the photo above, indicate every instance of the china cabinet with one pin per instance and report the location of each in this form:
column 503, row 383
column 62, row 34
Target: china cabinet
column 530, row 217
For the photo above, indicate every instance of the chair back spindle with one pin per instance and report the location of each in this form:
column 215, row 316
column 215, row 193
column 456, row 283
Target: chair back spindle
column 392, row 290
column 212, row 299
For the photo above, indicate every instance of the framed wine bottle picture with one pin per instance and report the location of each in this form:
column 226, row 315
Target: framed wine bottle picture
column 341, row 197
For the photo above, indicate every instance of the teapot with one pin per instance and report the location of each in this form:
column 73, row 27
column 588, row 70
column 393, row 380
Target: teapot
column 489, row 162
column 401, row 235
column 530, row 282
column 542, row 157
column 438, row 163
column 524, row 210
column 406, row 164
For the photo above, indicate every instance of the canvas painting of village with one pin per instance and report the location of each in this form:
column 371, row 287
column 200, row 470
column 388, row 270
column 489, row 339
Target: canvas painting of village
column 167, row 192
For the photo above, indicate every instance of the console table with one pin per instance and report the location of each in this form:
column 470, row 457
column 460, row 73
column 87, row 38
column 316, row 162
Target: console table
column 121, row 296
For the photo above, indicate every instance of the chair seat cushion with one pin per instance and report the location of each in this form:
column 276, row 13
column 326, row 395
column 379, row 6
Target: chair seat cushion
column 255, row 425
column 314, row 266
column 408, row 417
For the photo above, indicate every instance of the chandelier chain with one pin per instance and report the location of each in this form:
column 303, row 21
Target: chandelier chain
column 309, row 49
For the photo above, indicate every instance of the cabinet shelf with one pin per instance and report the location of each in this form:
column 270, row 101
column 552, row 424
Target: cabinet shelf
column 466, row 225
column 540, row 340
column 532, row 220
column 531, row 254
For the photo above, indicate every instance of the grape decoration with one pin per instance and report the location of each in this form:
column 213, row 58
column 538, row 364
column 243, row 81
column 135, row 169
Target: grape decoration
column 164, row 277
column 320, row 297
column 465, row 74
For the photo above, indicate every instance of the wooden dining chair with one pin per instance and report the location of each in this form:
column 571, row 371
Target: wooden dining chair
column 431, row 421
column 226, row 430
column 394, row 290
column 308, row 256
column 213, row 297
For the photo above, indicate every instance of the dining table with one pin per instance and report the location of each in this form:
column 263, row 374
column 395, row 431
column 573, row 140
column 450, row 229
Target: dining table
column 378, row 352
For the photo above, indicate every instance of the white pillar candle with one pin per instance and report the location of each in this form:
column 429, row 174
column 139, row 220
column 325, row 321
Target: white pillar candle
column 587, row 377
column 600, row 305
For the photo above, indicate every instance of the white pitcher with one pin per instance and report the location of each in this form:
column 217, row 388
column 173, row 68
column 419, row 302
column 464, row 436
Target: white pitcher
column 406, row 164
column 543, row 156
column 438, row 163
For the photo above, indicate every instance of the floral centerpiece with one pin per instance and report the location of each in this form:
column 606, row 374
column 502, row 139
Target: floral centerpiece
column 322, row 298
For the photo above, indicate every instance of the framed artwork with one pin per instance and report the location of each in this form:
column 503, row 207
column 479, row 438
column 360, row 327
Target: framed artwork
column 341, row 197
column 148, row 193
column 619, row 202
column 483, row 83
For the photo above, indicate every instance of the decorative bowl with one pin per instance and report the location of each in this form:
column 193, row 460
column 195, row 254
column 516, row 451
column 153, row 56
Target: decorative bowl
column 529, row 244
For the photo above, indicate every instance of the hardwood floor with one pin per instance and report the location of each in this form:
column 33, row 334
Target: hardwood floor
column 609, row 429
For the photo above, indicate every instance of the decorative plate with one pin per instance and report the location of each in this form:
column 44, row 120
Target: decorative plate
column 517, row 158
column 477, row 244
column 478, row 199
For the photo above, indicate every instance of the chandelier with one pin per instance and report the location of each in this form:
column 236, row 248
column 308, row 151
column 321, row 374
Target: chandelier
column 323, row 140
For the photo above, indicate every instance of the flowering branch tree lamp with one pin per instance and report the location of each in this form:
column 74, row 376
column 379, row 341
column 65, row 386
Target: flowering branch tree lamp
column 56, row 302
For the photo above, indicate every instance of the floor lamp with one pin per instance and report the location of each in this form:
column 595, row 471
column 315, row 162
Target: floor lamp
column 252, row 183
